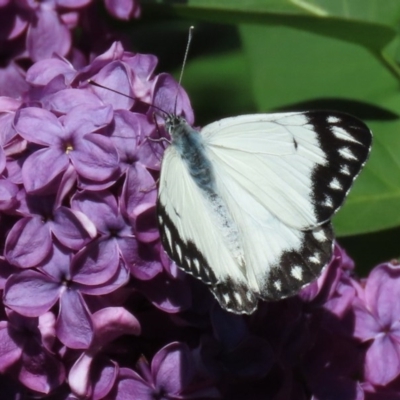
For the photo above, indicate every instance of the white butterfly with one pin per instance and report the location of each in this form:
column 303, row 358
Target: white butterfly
column 245, row 204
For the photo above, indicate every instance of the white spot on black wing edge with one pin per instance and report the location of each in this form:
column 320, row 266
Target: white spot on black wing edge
column 234, row 297
column 184, row 253
column 346, row 142
column 295, row 269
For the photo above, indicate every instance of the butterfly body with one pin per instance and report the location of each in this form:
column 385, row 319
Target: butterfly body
column 245, row 204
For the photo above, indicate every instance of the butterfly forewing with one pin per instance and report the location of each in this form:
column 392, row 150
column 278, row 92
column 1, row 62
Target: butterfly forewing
column 302, row 164
column 260, row 228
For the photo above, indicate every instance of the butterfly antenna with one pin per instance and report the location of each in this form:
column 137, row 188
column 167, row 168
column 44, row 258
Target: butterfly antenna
column 183, row 65
column 91, row 82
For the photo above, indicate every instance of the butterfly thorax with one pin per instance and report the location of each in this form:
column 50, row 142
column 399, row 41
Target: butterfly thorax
column 189, row 144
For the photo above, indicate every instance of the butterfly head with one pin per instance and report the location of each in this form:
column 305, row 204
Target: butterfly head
column 174, row 125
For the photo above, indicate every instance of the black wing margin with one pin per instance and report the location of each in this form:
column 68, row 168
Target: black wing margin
column 346, row 142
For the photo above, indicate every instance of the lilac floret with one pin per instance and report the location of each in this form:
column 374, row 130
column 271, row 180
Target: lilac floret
column 32, row 293
column 123, row 9
column 117, row 238
column 30, row 239
column 87, row 286
column 67, row 140
column 109, row 324
column 21, row 347
column 170, row 376
column 32, row 31
column 48, row 34
column 377, row 320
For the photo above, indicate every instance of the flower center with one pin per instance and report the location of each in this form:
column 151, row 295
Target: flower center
column 68, row 147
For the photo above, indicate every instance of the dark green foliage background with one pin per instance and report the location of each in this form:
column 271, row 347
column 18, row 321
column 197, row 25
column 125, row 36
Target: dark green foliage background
column 271, row 55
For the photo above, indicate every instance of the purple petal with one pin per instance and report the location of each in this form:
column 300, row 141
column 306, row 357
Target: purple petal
column 2, row 159
column 382, row 286
column 120, row 278
column 100, row 207
column 57, row 264
column 169, row 295
column 7, row 130
column 28, row 242
column 146, row 227
column 95, row 157
column 165, row 91
column 172, row 368
column 115, row 76
column 395, row 331
column 12, row 80
column 39, row 126
column 10, row 351
column 31, row 293
column 87, row 118
column 90, row 185
column 68, row 181
column 131, row 386
column 5, row 271
column 47, row 327
column 74, row 324
column 42, row 167
column 79, row 376
column 112, row 322
column 343, row 299
column 27, row 327
column 115, row 52
column 73, row 3
column 8, row 194
column 107, row 372
column 128, row 130
column 151, row 153
column 96, row 263
column 40, row 371
column 141, row 259
column 14, row 171
column 66, row 100
column 43, row 71
column 12, row 24
column 139, row 191
column 382, row 361
column 47, row 36
column 72, row 229
column 143, row 66
column 121, row 9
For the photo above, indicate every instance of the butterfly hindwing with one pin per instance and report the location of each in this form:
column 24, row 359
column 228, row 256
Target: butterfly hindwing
column 291, row 273
column 185, row 253
column 296, row 268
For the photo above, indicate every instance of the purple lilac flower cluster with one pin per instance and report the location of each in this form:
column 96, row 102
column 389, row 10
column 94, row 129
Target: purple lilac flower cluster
column 32, row 30
column 92, row 307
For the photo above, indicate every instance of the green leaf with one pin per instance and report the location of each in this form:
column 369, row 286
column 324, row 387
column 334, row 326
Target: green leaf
column 219, row 86
column 374, row 201
column 289, row 68
column 362, row 22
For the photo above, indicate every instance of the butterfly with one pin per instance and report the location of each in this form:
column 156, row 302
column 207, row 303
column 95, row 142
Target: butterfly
column 245, row 203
